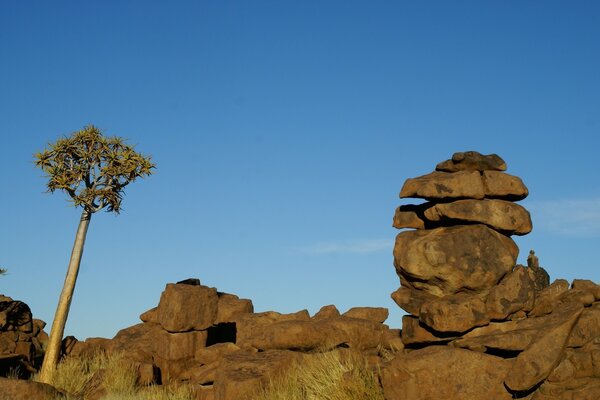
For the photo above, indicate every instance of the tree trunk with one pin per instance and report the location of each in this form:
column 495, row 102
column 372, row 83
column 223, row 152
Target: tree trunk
column 64, row 303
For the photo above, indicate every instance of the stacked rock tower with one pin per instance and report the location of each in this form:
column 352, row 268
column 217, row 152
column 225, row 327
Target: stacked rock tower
column 479, row 325
column 451, row 266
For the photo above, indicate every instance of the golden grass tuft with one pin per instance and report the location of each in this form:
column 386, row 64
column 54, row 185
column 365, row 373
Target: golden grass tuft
column 332, row 375
column 118, row 376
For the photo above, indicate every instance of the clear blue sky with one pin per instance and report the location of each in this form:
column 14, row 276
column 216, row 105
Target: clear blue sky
column 283, row 132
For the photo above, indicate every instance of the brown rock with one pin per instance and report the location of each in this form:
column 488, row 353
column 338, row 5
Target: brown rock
column 315, row 334
column 449, row 260
column 472, row 161
column 148, row 343
column 501, row 215
column 585, row 284
column 409, row 216
column 454, row 313
column 241, row 373
column 150, row 316
column 514, row 293
column 248, row 324
column 185, row 307
column 414, row 332
column 547, row 298
column 375, row 314
column 38, row 326
column 15, row 315
column 411, row 300
column 586, row 329
column 500, row 185
column 442, row 373
column 444, row 185
column 231, row 306
column 511, row 336
column 18, row 389
column 212, row 354
column 329, row 311
column 536, row 362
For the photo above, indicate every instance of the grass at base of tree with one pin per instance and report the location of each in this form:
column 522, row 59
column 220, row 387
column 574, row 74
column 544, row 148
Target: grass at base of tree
column 332, row 375
column 73, row 374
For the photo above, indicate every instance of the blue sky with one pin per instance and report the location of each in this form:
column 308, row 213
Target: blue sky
column 283, row 132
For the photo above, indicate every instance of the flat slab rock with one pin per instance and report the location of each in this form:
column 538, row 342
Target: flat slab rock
column 445, row 373
column 439, row 185
column 501, row 215
column 443, row 261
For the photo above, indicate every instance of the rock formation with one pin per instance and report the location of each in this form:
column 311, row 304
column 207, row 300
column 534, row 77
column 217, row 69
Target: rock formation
column 22, row 339
column 216, row 342
column 480, row 326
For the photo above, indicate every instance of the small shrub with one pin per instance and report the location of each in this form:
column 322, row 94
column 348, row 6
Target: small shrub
column 333, row 375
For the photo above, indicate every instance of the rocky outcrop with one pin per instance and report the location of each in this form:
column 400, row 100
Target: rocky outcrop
column 22, row 339
column 216, row 342
column 479, row 325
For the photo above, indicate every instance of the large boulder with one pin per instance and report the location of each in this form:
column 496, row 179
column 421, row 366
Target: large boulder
column 445, row 373
column 442, row 261
column 185, row 307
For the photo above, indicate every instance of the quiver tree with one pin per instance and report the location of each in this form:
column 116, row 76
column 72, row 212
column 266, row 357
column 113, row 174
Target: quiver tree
column 93, row 170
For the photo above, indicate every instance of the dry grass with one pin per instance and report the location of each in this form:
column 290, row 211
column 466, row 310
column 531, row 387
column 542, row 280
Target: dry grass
column 333, row 375
column 118, row 376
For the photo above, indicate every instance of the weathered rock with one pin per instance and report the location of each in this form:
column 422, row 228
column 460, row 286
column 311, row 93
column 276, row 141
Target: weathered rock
column 501, row 215
column 231, row 306
column 248, row 324
column 150, row 316
column 442, row 373
column 241, row 373
column 500, row 185
column 409, row 216
column 454, row 313
column 151, row 339
column 315, row 334
column 212, row 354
column 514, row 293
column 472, row 161
column 18, row 389
column 411, row 300
column 445, row 185
column 15, row 316
column 536, row 362
column 185, row 307
column 509, row 336
column 547, row 298
column 449, row 260
column 416, row 333
column 586, row 329
column 375, row 314
column 329, row 311
column 585, row 284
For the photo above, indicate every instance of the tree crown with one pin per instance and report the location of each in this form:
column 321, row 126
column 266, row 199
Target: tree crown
column 92, row 169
